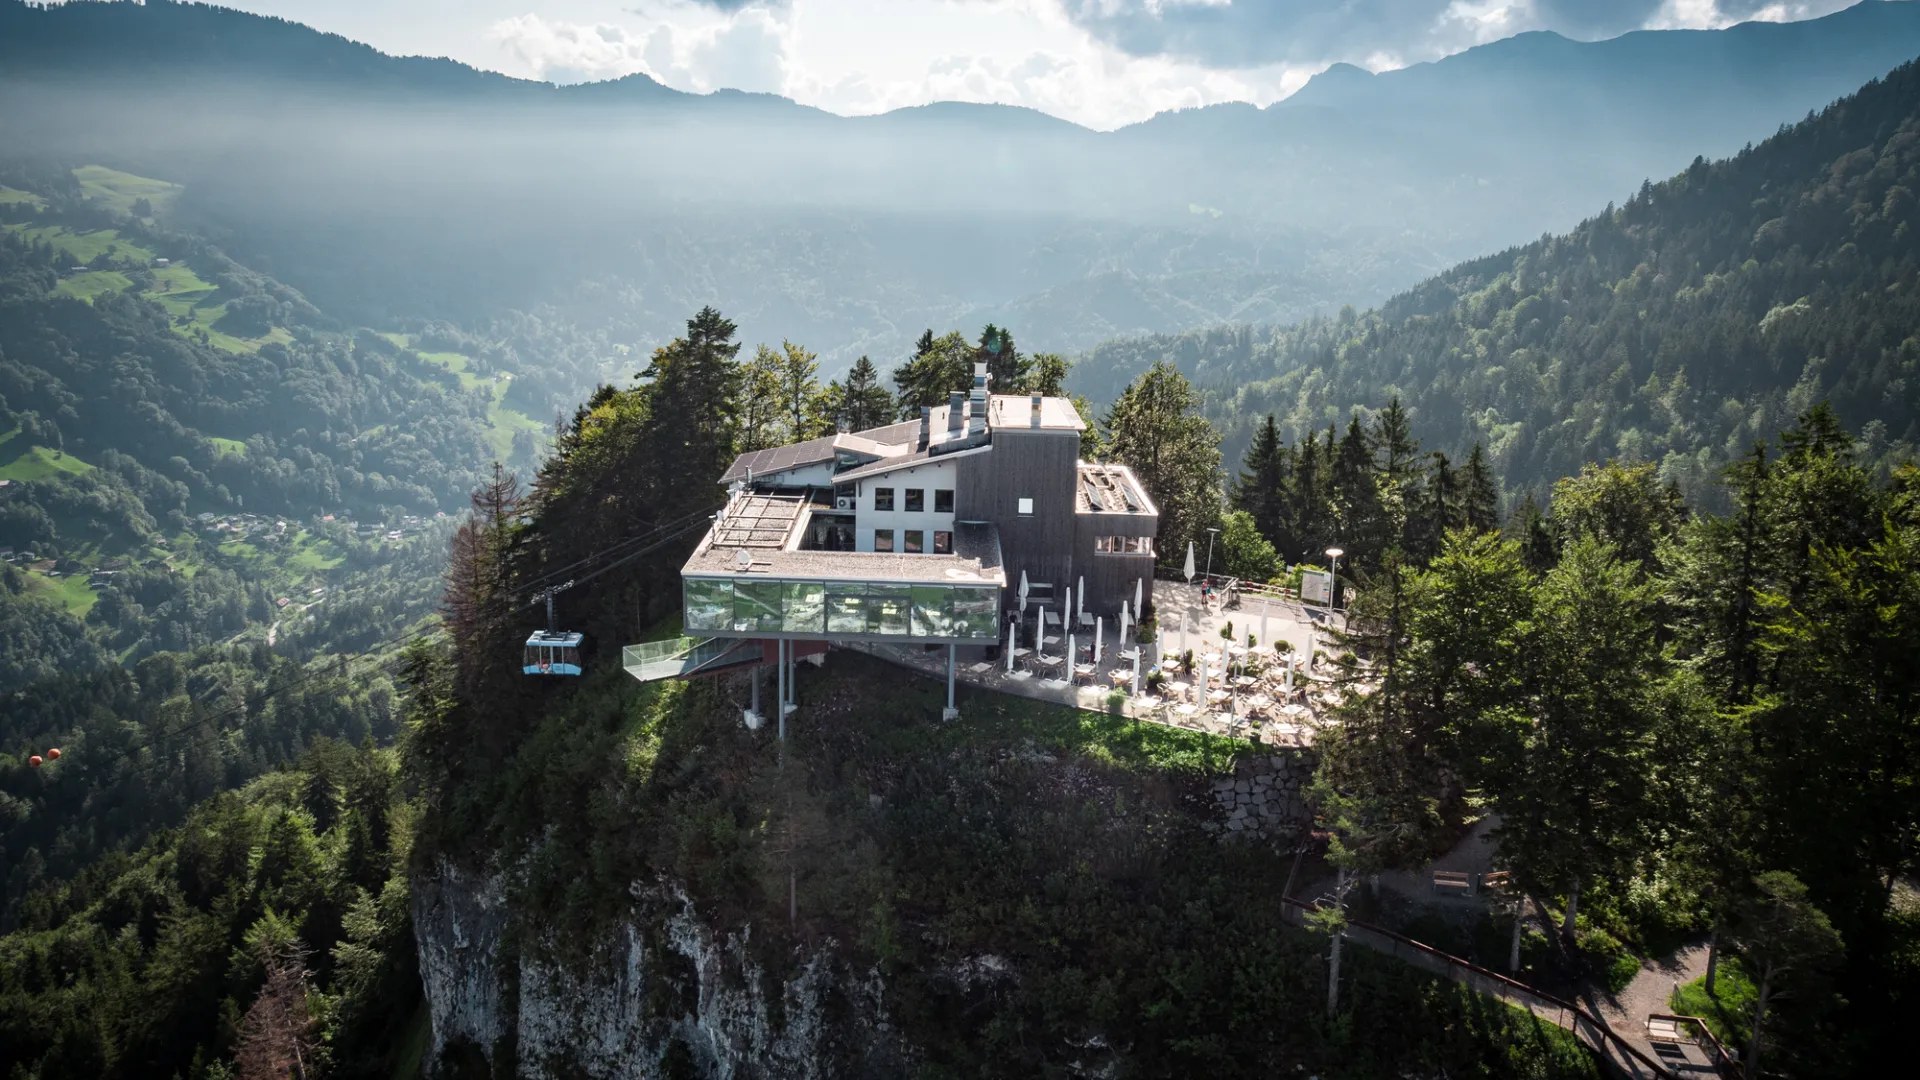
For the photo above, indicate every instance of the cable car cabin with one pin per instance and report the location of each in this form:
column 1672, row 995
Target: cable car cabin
column 551, row 652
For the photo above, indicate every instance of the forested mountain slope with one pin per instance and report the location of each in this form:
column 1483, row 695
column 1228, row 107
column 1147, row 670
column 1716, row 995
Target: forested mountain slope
column 389, row 188
column 1701, row 314
column 186, row 444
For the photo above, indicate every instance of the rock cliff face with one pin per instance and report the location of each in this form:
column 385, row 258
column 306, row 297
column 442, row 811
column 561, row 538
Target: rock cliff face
column 658, row 994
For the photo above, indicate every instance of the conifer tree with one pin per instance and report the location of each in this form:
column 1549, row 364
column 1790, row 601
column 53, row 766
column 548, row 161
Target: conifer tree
column 1157, row 430
column 1480, row 501
column 861, row 402
column 1260, row 489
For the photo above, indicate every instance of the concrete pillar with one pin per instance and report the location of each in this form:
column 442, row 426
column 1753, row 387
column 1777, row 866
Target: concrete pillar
column 953, row 655
column 780, row 705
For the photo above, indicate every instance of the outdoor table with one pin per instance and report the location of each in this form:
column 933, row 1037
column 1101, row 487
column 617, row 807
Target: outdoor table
column 1086, row 619
column 1260, row 701
column 1186, row 710
column 1083, row 669
column 1219, row 695
column 1236, row 650
column 1212, row 658
column 1147, row 702
column 982, row 666
column 1129, row 654
column 1179, row 688
column 1052, row 617
column 1050, row 639
column 1047, row 660
column 1245, row 680
column 1021, row 650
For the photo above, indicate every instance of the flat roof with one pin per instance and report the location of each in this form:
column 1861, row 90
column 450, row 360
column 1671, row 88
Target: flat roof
column 908, row 461
column 1111, row 489
column 757, row 521
column 778, row 459
column 1014, row 412
column 975, row 561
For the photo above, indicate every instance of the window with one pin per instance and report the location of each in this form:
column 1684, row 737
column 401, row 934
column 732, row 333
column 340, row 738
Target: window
column 914, row 537
column 1026, row 507
column 942, row 501
column 888, row 608
column 709, row 604
column 1123, row 545
column 942, row 542
column 804, row 607
column 932, row 611
column 883, row 539
column 976, row 613
column 916, row 500
column 847, row 609
column 883, row 500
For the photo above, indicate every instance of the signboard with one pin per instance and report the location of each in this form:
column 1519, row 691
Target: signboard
column 1316, row 587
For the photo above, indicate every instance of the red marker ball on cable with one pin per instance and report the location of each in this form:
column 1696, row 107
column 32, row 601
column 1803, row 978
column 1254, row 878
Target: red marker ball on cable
column 54, row 754
column 34, row 761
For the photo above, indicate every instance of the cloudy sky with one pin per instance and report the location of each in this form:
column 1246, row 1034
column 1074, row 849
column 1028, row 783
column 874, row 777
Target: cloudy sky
column 1102, row 63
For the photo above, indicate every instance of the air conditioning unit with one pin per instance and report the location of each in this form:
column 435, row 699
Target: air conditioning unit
column 843, row 503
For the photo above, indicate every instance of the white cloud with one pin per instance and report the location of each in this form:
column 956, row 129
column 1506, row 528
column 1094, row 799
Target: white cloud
column 701, row 51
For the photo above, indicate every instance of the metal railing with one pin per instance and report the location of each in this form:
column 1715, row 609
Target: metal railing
column 653, row 660
column 1621, row 1056
column 1723, row 1059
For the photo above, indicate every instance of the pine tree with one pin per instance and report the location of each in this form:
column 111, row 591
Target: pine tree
column 1481, row 498
column 694, row 390
column 861, row 402
column 1357, row 517
column 939, row 366
column 1157, row 430
column 1261, row 487
column 760, row 400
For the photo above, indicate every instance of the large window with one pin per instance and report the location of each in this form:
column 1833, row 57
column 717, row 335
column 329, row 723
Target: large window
column 883, row 498
column 847, row 608
column 887, row 607
column 942, row 501
column 1123, row 545
column 805, row 607
column 976, row 613
column 814, row 607
column 916, row 500
column 709, row 604
column 915, row 541
column 942, row 542
column 756, row 605
column 932, row 610
column 1026, row 507
column 883, row 539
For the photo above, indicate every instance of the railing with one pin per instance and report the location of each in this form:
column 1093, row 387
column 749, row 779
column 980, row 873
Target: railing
column 1722, row 1058
column 1623, row 1057
column 675, row 656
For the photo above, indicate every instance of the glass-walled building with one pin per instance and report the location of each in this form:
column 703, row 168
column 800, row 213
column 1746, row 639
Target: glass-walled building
column 881, row 610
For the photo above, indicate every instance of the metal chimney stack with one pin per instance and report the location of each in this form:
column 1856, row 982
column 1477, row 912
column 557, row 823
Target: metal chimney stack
column 926, row 425
column 956, row 413
column 977, row 403
column 1035, row 422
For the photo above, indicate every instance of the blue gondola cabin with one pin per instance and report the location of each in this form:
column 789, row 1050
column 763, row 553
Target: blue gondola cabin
column 552, row 653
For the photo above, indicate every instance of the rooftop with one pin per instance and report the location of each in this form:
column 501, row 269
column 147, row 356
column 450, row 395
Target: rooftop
column 1110, row 489
column 756, row 521
column 975, row 559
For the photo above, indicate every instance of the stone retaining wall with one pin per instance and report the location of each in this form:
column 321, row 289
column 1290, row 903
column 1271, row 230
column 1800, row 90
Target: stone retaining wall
column 1265, row 798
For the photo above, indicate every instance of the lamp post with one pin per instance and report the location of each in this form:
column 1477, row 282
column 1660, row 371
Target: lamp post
column 1211, row 533
column 1334, row 553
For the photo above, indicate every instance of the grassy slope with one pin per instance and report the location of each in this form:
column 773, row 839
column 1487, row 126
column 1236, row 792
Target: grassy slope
column 20, row 461
column 504, row 421
column 121, row 190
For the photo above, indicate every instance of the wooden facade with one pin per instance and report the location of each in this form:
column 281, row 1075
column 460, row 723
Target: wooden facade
column 1026, row 463
column 1110, row 577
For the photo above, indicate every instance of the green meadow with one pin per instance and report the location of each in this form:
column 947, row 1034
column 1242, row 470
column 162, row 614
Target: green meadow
column 121, row 190
column 21, row 461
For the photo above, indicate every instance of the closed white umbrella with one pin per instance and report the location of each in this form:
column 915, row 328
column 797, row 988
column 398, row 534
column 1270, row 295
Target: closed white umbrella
column 1136, row 674
column 1023, row 592
column 1099, row 630
column 1139, row 595
column 1013, row 635
column 1188, row 570
column 1081, row 596
column 1073, row 655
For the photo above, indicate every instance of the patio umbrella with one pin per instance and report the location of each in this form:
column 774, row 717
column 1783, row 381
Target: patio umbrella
column 1139, row 592
column 1188, row 570
column 1081, row 596
column 1013, row 635
column 1023, row 592
column 1099, row 631
column 1073, row 655
column 1136, row 674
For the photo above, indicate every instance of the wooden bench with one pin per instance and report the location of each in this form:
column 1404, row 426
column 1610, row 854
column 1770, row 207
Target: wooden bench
column 1452, row 882
column 1497, row 881
column 1663, row 1030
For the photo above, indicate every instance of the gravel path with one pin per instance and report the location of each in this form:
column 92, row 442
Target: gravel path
column 1650, row 992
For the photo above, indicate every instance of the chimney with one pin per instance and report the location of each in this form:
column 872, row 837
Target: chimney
column 956, row 413
column 926, row 425
column 1035, row 422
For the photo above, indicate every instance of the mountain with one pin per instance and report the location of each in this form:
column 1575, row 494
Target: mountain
column 187, row 445
column 1698, row 316
column 388, row 189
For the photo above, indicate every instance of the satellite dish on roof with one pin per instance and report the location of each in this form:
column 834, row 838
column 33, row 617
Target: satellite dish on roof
column 743, row 560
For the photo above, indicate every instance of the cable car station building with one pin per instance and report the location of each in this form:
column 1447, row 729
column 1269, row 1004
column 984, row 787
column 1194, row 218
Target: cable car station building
column 915, row 533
